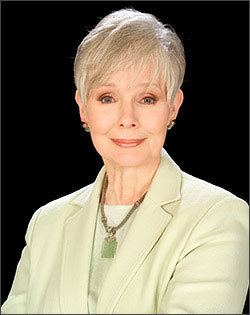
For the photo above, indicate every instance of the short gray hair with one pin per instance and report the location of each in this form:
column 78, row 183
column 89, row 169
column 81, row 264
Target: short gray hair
column 124, row 38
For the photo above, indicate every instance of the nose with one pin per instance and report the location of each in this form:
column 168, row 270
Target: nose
column 128, row 116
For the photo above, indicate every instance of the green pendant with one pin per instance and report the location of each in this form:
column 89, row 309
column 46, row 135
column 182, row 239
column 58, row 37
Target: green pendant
column 109, row 246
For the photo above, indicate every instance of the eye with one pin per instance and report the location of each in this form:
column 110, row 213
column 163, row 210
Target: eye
column 149, row 100
column 106, row 99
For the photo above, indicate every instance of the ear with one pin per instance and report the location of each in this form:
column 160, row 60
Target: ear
column 176, row 104
column 82, row 107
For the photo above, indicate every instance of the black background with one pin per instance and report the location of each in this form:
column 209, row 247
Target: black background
column 45, row 153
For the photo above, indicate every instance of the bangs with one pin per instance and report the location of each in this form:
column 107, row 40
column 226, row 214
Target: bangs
column 102, row 72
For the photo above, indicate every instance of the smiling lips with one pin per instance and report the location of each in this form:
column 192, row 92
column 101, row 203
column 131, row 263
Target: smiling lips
column 128, row 143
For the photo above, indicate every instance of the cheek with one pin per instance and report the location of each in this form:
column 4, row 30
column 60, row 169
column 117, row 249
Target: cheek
column 156, row 123
column 100, row 122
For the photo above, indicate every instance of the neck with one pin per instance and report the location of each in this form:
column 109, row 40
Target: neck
column 126, row 185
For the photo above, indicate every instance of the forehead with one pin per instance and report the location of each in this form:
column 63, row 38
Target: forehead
column 134, row 76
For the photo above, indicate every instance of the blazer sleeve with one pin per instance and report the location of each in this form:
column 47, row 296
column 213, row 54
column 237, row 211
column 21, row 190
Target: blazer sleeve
column 16, row 301
column 211, row 276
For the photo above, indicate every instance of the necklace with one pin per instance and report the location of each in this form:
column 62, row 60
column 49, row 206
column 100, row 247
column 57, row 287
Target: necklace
column 109, row 244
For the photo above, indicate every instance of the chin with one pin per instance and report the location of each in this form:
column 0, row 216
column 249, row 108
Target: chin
column 129, row 159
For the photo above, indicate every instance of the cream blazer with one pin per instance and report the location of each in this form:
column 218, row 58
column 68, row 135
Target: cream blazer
column 186, row 252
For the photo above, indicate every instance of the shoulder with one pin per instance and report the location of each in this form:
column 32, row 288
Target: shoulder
column 213, row 216
column 54, row 213
column 65, row 203
column 205, row 199
column 205, row 192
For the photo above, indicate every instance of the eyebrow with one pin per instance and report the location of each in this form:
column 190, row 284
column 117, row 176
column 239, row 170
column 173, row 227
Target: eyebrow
column 146, row 84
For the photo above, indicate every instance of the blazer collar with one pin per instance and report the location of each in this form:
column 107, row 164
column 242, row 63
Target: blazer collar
column 151, row 219
column 166, row 184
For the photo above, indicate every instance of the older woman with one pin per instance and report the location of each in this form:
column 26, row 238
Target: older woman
column 145, row 237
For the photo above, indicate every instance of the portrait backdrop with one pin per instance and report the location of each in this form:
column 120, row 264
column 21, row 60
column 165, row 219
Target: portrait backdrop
column 45, row 152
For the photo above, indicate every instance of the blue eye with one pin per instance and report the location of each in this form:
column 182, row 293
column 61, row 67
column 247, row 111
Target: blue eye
column 106, row 99
column 149, row 100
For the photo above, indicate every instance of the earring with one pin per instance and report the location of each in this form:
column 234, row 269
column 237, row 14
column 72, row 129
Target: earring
column 85, row 126
column 172, row 123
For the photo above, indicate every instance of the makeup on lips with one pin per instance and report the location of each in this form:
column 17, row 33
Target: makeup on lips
column 128, row 143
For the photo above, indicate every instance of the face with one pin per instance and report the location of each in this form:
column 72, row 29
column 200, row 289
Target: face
column 128, row 122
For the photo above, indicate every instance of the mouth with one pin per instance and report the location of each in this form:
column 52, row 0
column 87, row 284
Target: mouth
column 128, row 143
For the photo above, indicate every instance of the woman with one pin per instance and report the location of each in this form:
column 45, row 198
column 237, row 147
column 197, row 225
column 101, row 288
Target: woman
column 145, row 237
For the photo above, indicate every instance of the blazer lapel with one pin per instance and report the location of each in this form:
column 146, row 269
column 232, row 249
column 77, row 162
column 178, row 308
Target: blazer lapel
column 77, row 251
column 149, row 223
